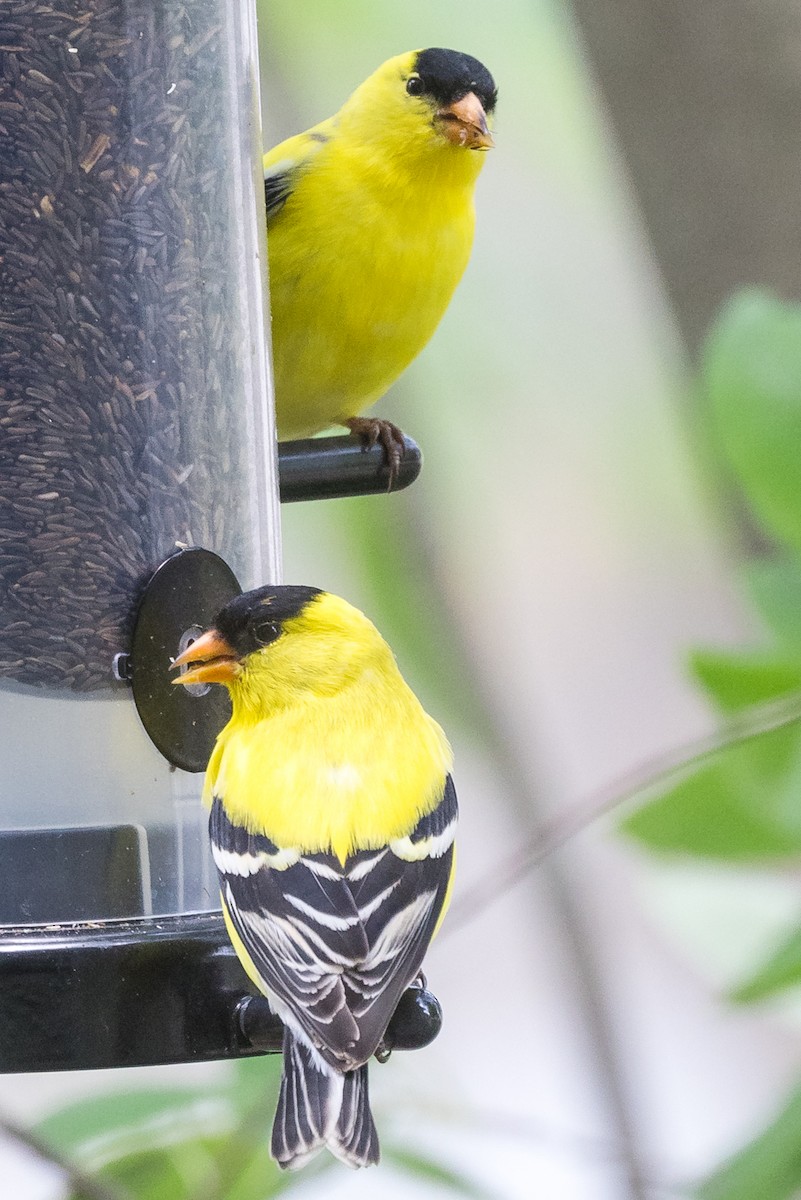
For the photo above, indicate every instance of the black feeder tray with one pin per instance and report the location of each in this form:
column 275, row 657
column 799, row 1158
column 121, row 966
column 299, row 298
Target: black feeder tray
column 146, row 992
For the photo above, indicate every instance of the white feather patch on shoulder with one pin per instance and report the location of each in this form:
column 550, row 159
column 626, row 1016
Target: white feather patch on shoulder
column 279, row 168
column 328, row 920
column 231, row 863
column 430, row 847
column 365, row 866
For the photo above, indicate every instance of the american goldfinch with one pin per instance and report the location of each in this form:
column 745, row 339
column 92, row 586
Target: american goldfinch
column 332, row 823
column 370, row 223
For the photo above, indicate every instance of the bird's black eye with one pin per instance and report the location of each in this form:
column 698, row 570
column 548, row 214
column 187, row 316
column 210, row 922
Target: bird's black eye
column 265, row 632
column 414, row 85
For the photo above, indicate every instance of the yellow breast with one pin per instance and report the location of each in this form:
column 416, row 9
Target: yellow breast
column 363, row 264
column 333, row 773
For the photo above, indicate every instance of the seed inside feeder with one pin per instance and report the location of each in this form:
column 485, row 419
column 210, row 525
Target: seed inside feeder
column 119, row 342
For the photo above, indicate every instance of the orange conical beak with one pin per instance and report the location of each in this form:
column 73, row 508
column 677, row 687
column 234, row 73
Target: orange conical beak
column 211, row 659
column 465, row 123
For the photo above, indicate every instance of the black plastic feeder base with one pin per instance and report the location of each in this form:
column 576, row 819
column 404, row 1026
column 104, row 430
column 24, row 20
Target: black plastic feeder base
column 144, row 992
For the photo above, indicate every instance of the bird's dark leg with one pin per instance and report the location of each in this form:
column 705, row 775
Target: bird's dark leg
column 373, row 430
column 383, row 1050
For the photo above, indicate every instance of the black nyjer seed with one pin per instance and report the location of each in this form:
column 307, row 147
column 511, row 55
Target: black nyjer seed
column 118, row 341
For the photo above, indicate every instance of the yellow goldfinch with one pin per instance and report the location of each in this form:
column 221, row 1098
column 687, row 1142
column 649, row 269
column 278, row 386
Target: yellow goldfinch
column 332, row 823
column 370, row 223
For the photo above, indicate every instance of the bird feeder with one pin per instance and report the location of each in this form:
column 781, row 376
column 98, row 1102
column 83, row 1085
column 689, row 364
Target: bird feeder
column 139, row 492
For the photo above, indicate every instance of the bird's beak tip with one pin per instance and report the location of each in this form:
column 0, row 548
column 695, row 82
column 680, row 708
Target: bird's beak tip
column 464, row 123
column 209, row 659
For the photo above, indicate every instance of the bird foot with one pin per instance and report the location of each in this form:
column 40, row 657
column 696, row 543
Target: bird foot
column 372, row 431
column 383, row 1050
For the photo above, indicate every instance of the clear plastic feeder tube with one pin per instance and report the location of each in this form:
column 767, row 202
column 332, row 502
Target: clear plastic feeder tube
column 135, row 409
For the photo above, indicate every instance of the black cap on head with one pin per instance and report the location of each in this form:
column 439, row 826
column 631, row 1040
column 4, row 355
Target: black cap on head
column 448, row 75
column 254, row 619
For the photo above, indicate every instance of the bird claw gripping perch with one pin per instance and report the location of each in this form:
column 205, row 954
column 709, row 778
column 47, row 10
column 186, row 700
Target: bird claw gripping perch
column 374, row 431
column 383, row 1051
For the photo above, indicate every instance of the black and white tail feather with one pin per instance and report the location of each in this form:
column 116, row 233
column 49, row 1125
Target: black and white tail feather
column 333, row 947
column 319, row 1107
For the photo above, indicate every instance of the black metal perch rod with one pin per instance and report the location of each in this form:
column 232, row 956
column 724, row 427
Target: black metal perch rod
column 415, row 1023
column 332, row 467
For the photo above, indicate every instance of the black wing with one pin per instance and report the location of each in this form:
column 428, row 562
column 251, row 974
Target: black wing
column 281, row 176
column 277, row 190
column 400, row 893
column 334, row 947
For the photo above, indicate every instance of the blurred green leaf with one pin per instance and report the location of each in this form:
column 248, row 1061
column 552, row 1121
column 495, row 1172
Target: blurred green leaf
column 232, row 1165
column 255, row 1082
column 119, row 1113
column 741, row 806
column 181, row 1144
column 423, row 1166
column 769, row 1168
column 775, row 588
column 259, row 1178
column 158, row 1174
column 167, row 1145
column 738, row 679
column 782, row 970
column 752, row 373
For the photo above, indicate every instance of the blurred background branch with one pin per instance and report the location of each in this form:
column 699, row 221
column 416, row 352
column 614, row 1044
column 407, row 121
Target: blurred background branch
column 84, row 1185
column 704, row 99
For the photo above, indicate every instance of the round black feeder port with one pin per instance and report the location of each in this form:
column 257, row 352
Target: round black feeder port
column 179, row 602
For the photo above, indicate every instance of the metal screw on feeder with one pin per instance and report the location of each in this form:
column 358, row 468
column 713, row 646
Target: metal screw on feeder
column 138, row 491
